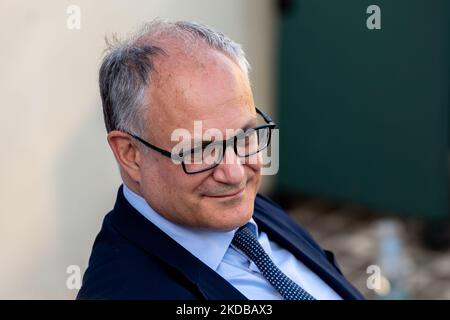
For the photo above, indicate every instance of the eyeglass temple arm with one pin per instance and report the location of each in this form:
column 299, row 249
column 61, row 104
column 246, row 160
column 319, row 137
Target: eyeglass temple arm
column 163, row 152
column 266, row 117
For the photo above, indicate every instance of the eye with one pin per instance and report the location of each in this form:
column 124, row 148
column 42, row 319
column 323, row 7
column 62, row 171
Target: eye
column 206, row 143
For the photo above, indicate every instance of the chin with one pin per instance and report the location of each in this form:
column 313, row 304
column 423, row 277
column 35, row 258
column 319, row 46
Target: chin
column 232, row 215
column 230, row 224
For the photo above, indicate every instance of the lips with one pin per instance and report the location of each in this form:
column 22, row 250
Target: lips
column 228, row 195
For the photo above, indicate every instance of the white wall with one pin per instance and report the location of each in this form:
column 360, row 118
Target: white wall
column 58, row 177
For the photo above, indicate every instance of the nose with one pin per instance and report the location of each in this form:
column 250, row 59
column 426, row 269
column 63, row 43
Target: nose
column 230, row 170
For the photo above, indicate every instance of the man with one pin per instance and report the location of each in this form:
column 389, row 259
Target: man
column 188, row 222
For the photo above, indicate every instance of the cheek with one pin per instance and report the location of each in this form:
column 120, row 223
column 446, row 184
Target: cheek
column 156, row 175
column 177, row 184
column 254, row 178
column 254, row 162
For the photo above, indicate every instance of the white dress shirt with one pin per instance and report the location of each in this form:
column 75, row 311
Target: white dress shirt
column 214, row 249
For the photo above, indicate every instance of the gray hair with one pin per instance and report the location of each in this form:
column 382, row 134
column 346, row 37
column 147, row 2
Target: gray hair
column 126, row 69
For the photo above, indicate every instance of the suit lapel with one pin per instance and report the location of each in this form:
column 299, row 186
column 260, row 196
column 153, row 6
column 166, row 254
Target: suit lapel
column 282, row 232
column 136, row 228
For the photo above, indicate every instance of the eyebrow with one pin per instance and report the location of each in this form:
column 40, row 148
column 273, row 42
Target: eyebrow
column 250, row 124
column 193, row 143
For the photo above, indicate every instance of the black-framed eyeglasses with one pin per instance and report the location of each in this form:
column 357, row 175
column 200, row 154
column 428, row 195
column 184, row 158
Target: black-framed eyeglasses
column 210, row 155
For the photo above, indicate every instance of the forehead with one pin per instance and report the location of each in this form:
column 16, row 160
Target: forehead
column 202, row 86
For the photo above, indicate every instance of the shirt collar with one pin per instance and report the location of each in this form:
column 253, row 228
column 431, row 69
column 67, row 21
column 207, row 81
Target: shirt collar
column 208, row 246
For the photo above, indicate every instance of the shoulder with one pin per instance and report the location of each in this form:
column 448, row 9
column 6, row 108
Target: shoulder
column 120, row 270
column 276, row 216
column 265, row 202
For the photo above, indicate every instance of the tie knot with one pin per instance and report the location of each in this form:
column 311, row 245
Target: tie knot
column 245, row 240
column 244, row 232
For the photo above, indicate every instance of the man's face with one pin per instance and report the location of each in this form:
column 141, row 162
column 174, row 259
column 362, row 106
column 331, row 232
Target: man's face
column 212, row 89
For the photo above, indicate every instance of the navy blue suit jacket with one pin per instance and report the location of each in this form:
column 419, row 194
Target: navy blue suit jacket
column 133, row 259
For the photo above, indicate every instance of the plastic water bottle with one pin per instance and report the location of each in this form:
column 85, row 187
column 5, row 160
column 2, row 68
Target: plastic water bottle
column 394, row 263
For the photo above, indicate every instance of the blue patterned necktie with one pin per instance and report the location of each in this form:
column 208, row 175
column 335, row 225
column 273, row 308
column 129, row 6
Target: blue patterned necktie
column 245, row 240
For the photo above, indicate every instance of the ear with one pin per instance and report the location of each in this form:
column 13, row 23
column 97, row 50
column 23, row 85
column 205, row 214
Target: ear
column 127, row 154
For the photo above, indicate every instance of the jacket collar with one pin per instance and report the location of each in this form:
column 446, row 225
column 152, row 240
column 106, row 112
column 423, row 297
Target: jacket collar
column 285, row 234
column 208, row 246
column 137, row 229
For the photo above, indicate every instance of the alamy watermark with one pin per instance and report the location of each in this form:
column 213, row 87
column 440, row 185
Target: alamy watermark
column 252, row 146
column 73, row 281
column 73, row 21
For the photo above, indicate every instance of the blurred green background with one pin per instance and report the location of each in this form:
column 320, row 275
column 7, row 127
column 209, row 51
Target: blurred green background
column 364, row 113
